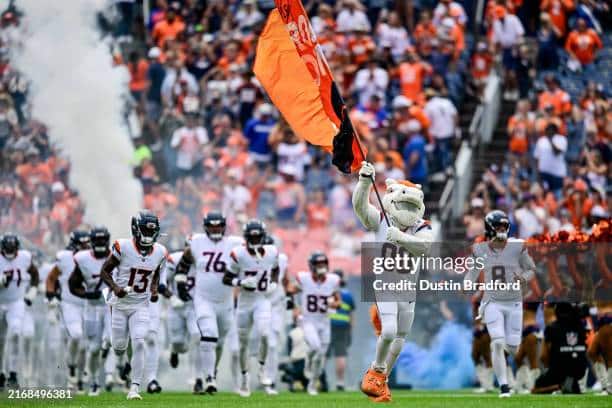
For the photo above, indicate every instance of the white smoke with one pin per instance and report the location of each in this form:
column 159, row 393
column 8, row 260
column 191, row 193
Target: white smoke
column 76, row 92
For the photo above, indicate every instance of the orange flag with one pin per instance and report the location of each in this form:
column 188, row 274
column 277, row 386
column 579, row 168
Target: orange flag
column 291, row 67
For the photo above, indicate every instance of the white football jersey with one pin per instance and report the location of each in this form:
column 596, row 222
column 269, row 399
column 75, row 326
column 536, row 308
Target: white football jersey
column 135, row 270
column 173, row 260
column 64, row 260
column 90, row 267
column 315, row 293
column 16, row 273
column 211, row 260
column 244, row 263
column 503, row 265
column 278, row 296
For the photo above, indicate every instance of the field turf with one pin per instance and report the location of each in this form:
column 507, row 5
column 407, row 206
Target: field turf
column 417, row 399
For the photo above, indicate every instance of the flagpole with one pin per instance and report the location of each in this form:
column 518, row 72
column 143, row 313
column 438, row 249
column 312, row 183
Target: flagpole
column 382, row 208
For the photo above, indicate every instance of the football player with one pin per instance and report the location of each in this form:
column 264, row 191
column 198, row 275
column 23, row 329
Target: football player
column 209, row 254
column 600, row 349
column 17, row 272
column 85, row 283
column 279, row 302
column 404, row 227
column 182, row 326
column 253, row 268
column 319, row 295
column 71, row 307
column 505, row 260
column 138, row 263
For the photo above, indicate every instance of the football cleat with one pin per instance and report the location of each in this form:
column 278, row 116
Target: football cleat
column 133, row 395
column 2, row 382
column 270, row 390
column 211, row 385
column 384, row 397
column 94, row 390
column 373, row 383
column 12, row 382
column 153, row 387
column 312, row 388
column 504, row 391
column 80, row 388
column 263, row 377
column 245, row 389
column 198, row 388
column 174, row 360
column 124, row 372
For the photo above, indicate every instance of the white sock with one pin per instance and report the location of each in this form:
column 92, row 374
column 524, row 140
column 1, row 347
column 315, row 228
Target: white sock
column 207, row 351
column 152, row 360
column 601, row 373
column 498, row 358
column 272, row 363
column 382, row 351
column 262, row 354
column 93, row 366
column 534, row 373
column 394, row 351
column 138, row 360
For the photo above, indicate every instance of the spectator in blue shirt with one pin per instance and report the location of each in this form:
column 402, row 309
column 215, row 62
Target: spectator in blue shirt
column 257, row 131
column 414, row 154
column 341, row 326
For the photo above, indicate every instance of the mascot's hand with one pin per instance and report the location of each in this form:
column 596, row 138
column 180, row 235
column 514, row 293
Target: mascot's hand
column 394, row 235
column 366, row 171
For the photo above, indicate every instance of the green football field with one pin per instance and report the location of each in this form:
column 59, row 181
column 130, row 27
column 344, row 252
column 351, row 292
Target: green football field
column 417, row 399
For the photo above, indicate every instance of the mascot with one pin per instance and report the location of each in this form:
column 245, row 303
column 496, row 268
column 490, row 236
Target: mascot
column 404, row 206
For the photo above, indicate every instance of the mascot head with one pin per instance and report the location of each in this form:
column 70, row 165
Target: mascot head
column 404, row 202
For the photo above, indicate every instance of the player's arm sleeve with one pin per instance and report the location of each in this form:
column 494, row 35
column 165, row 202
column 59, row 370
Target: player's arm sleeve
column 527, row 265
column 275, row 270
column 34, row 275
column 418, row 243
column 75, row 282
column 366, row 212
column 230, row 278
column 106, row 273
column 184, row 264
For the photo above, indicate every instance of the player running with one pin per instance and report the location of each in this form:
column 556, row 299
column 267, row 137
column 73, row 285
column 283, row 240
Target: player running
column 319, row 295
column 85, row 283
column 17, row 272
column 404, row 206
column 72, row 308
column 505, row 260
column 133, row 272
column 209, row 253
column 253, row 268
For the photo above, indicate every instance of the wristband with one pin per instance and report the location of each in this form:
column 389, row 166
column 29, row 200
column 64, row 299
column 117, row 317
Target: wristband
column 236, row 282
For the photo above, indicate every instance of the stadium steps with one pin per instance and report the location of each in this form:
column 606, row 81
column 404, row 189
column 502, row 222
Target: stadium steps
column 485, row 155
column 466, row 112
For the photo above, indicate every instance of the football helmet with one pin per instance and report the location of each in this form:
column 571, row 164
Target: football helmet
column 145, row 228
column 79, row 240
column 318, row 263
column 100, row 240
column 254, row 233
column 214, row 225
column 497, row 225
column 9, row 246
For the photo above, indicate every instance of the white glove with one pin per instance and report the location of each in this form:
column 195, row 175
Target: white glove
column 53, row 303
column 249, row 282
column 367, row 170
column 176, row 302
column 394, row 235
column 30, row 295
column 272, row 286
column 3, row 279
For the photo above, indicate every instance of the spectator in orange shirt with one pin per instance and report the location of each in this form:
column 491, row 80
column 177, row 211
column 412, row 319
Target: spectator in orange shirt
column 558, row 10
column 138, row 67
column 33, row 171
column 361, row 46
column 449, row 32
column 481, row 64
column 424, row 32
column 404, row 110
column 167, row 29
column 583, row 43
column 555, row 96
column 318, row 213
column 578, row 203
column 412, row 74
column 231, row 55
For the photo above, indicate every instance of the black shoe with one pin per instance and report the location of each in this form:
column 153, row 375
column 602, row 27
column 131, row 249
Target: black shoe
column 211, row 385
column 174, row 360
column 2, row 382
column 12, row 382
column 105, row 353
column 339, row 387
column 124, row 373
column 80, row 387
column 154, row 387
column 198, row 387
column 504, row 390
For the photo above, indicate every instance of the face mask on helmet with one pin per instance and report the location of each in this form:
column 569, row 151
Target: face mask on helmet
column 80, row 241
column 255, row 239
column 320, row 267
column 100, row 244
column 501, row 231
column 148, row 233
column 215, row 230
column 10, row 247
